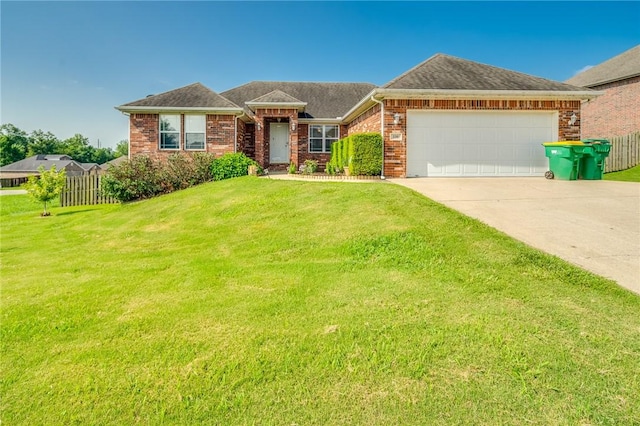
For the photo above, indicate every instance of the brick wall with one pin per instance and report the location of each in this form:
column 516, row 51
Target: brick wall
column 616, row 113
column 367, row 122
column 395, row 152
column 144, row 135
column 220, row 134
column 246, row 141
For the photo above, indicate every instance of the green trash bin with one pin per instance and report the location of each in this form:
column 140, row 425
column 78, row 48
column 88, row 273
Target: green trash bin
column 564, row 159
column 592, row 165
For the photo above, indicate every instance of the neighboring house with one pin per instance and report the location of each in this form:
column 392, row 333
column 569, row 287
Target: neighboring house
column 445, row 117
column 617, row 112
column 115, row 162
column 22, row 169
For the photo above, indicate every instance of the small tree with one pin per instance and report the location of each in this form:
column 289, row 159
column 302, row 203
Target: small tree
column 47, row 187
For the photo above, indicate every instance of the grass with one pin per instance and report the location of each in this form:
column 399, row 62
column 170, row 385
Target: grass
column 629, row 175
column 275, row 302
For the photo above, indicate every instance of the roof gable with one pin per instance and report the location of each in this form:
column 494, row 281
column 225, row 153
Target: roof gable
column 323, row 100
column 621, row 67
column 195, row 95
column 31, row 164
column 276, row 96
column 450, row 73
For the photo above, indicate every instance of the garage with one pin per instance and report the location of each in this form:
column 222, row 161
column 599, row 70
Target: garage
column 446, row 143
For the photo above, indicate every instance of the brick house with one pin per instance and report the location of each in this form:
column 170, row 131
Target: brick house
column 617, row 111
column 445, row 117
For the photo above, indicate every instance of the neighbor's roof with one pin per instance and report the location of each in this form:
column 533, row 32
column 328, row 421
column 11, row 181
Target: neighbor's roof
column 450, row 73
column 621, row 67
column 115, row 162
column 32, row 164
column 193, row 96
column 324, row 100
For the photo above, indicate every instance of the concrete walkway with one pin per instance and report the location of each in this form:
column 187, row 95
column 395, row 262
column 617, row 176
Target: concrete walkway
column 592, row 224
column 13, row 192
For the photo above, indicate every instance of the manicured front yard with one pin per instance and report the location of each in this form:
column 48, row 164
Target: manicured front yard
column 256, row 301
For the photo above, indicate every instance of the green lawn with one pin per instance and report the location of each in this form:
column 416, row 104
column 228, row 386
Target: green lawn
column 629, row 175
column 257, row 301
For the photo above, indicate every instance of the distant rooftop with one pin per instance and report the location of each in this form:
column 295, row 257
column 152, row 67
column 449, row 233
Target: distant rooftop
column 625, row 65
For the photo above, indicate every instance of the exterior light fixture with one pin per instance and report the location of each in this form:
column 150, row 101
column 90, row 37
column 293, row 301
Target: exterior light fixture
column 573, row 119
column 396, row 118
column 293, row 126
column 258, row 125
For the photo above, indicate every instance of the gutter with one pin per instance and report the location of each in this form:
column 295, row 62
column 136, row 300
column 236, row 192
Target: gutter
column 380, row 92
column 381, row 131
column 177, row 110
column 488, row 94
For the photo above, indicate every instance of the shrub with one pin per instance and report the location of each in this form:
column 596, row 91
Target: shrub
column 202, row 162
column 361, row 152
column 310, row 167
column 141, row 177
column 232, row 165
column 292, row 168
column 366, row 154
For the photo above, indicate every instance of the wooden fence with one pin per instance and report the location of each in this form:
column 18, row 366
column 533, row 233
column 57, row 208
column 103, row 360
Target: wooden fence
column 625, row 152
column 84, row 190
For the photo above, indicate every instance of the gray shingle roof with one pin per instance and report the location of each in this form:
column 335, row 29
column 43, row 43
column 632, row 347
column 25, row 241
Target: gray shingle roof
column 621, row 67
column 324, row 100
column 277, row 96
column 32, row 164
column 194, row 95
column 451, row 73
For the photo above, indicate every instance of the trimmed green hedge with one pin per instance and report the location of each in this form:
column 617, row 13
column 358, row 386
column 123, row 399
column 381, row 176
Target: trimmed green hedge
column 361, row 152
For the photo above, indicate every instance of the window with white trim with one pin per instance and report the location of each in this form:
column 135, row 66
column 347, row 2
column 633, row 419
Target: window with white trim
column 194, row 132
column 321, row 136
column 170, row 131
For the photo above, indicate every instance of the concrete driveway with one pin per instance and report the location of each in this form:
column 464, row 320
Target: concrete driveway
column 593, row 224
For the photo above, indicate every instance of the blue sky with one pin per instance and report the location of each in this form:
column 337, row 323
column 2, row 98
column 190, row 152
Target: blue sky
column 65, row 65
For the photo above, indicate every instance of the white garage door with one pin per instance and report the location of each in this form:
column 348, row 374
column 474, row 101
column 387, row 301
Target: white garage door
column 478, row 143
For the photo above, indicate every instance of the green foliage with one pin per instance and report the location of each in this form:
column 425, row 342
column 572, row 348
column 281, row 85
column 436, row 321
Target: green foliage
column 43, row 143
column 246, row 301
column 629, row 175
column 292, row 168
column 143, row 177
column 122, row 148
column 310, row 167
column 16, row 145
column 232, row 165
column 13, row 144
column 361, row 152
column 139, row 178
column 46, row 187
column 366, row 154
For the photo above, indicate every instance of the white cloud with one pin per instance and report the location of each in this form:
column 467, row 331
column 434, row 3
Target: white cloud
column 583, row 69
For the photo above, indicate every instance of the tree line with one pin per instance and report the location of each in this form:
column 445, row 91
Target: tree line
column 16, row 145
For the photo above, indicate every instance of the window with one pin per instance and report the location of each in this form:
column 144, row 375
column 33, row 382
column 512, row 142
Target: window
column 194, row 131
column 169, row 132
column 321, row 136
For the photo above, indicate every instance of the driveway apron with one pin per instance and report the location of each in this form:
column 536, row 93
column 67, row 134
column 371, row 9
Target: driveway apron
column 592, row 224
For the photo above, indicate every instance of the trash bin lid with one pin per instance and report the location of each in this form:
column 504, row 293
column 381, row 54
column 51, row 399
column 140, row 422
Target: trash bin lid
column 561, row 143
column 601, row 141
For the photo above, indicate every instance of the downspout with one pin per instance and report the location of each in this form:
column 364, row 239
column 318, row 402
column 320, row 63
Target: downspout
column 381, row 132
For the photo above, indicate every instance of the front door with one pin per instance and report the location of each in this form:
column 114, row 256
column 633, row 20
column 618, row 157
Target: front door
column 279, row 143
